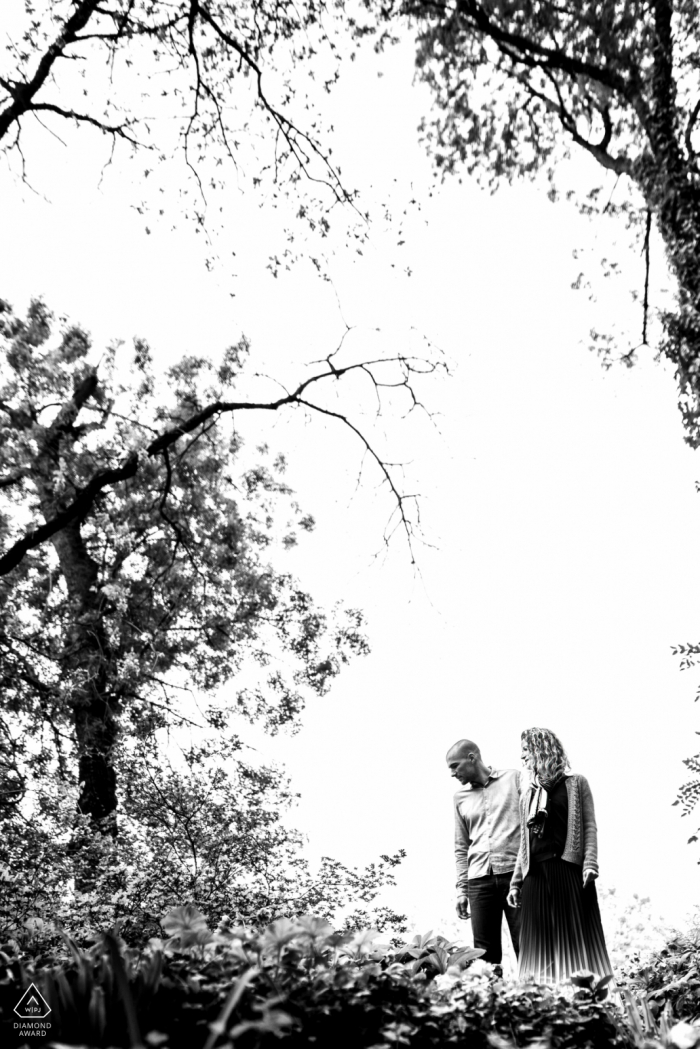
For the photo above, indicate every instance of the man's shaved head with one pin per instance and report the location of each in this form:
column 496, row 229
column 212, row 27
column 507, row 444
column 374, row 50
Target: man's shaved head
column 462, row 747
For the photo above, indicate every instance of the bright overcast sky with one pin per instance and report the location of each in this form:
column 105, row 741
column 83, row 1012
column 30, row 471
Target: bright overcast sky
column 559, row 498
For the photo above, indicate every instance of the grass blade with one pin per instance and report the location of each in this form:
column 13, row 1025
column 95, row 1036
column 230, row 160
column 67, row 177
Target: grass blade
column 219, row 1025
column 135, row 1041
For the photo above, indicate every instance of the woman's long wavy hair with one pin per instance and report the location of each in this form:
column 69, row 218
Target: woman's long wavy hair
column 546, row 757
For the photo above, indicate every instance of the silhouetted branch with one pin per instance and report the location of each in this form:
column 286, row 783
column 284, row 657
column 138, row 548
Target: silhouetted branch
column 118, row 130
column 81, row 504
column 23, row 94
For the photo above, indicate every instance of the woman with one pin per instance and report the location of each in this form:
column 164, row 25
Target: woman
column 554, row 877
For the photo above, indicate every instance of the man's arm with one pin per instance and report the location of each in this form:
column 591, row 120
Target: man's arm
column 516, row 881
column 462, row 843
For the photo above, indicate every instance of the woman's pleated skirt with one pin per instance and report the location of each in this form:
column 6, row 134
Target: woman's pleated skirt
column 561, row 932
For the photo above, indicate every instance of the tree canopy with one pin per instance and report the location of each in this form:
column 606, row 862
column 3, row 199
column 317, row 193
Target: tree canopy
column 519, row 86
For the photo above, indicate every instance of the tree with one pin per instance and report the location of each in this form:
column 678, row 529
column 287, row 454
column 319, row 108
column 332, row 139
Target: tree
column 519, row 84
column 202, row 87
column 136, row 567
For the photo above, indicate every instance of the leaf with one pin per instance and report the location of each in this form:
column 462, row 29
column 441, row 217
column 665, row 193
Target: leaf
column 463, row 957
column 97, row 1013
column 361, row 941
column 601, row 985
column 151, row 974
column 583, row 978
column 187, row 919
column 315, row 927
column 124, row 992
column 280, row 932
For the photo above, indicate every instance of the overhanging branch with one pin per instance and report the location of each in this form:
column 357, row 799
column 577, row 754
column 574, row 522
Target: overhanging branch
column 23, row 94
column 80, row 506
column 118, row 130
column 546, row 57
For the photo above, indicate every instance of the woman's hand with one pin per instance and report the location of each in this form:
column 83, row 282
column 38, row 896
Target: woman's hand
column 589, row 876
column 513, row 898
column 463, row 906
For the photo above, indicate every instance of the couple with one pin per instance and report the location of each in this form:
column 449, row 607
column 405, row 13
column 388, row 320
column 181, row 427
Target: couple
column 526, row 847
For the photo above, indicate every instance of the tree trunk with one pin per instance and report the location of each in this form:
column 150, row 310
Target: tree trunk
column 86, row 649
column 669, row 184
column 85, row 654
column 669, row 178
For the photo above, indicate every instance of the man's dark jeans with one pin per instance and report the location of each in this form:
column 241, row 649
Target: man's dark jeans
column 487, row 903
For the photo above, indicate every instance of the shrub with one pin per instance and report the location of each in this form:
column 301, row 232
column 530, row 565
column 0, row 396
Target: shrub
column 669, row 980
column 298, row 983
column 209, row 830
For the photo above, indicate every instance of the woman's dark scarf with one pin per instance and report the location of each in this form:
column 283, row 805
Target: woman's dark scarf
column 537, row 808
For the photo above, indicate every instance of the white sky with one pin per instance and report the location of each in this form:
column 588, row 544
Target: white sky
column 559, row 498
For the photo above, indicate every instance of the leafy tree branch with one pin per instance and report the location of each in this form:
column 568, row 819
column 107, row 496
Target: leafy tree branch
column 219, row 59
column 517, row 86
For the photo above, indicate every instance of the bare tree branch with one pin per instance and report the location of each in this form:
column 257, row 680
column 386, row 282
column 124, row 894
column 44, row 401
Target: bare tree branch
column 118, row 130
column 401, row 499
column 173, row 30
column 290, row 132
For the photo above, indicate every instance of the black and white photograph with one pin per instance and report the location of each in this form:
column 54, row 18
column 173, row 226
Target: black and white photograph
column 349, row 509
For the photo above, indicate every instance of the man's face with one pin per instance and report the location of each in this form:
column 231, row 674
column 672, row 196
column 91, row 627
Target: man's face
column 462, row 767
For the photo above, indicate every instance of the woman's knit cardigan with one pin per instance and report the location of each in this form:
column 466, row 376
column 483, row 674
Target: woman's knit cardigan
column 581, row 844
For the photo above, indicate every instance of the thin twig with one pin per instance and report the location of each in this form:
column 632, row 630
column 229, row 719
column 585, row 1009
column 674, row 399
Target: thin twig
column 647, row 238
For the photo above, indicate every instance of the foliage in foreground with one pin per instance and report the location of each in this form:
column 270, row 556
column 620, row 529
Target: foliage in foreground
column 669, row 980
column 303, row 983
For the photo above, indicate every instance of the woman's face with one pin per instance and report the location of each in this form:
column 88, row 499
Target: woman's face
column 525, row 755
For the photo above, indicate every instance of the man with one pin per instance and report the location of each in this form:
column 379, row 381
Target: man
column 487, row 838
